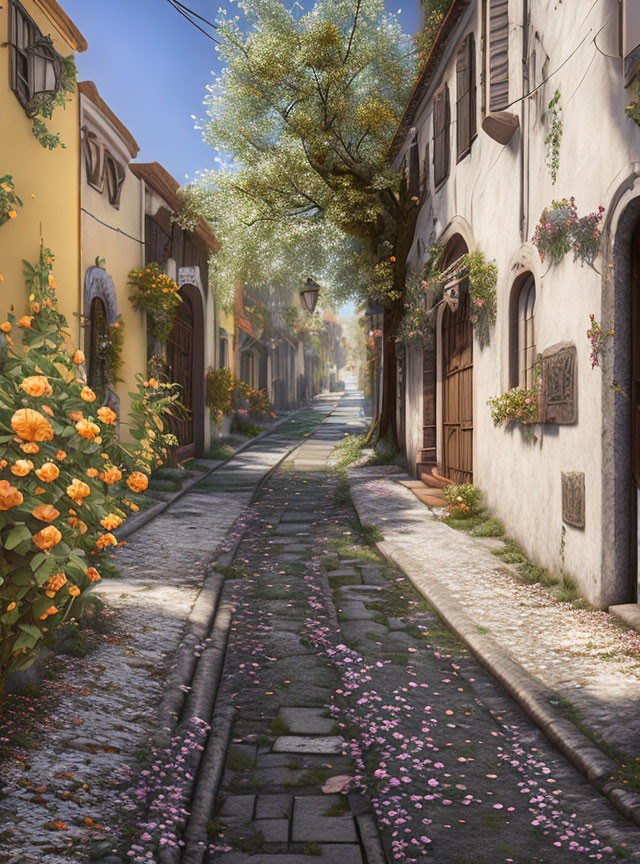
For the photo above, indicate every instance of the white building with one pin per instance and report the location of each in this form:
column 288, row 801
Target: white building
column 498, row 64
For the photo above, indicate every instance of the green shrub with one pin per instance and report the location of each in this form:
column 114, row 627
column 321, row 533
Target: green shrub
column 463, row 500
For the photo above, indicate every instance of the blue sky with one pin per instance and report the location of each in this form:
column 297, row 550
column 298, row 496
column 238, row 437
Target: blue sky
column 151, row 67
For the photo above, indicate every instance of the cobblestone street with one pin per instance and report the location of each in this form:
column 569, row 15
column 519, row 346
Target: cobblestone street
column 348, row 724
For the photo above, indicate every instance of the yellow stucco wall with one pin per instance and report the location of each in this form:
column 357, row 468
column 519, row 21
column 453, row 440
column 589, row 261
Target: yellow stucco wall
column 122, row 251
column 51, row 177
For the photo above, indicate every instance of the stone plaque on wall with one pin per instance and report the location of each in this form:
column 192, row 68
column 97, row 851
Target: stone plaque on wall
column 573, row 498
column 559, row 388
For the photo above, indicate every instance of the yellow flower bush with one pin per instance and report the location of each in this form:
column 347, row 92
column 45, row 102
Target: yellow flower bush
column 155, row 293
column 59, row 505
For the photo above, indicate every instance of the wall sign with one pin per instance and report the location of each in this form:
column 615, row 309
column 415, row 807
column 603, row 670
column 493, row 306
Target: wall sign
column 189, row 276
column 559, row 391
column 573, row 496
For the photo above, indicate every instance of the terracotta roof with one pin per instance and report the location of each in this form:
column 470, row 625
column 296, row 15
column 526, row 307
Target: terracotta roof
column 89, row 89
column 455, row 13
column 63, row 24
column 166, row 186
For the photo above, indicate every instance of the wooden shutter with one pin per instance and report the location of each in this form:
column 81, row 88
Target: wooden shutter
column 465, row 95
column 441, row 119
column 414, row 169
column 498, row 55
column 424, row 174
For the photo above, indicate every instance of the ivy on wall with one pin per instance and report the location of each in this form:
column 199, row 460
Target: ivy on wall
column 9, row 200
column 554, row 136
column 43, row 108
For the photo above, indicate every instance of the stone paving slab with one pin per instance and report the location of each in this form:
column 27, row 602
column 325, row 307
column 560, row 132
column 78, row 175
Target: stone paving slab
column 307, row 721
column 576, row 652
column 308, row 744
column 311, row 825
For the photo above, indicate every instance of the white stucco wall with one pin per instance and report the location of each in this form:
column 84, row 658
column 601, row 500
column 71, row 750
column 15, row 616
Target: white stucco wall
column 482, row 197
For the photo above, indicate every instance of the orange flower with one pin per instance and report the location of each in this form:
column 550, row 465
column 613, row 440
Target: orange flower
column 47, row 538
column 31, row 425
column 3, row 463
column 153, row 382
column 11, row 606
column 36, row 385
column 35, row 307
column 111, row 521
column 77, row 491
column 74, row 591
column 52, row 611
column 92, row 472
column 9, row 496
column 60, row 455
column 12, row 214
column 134, row 507
column 93, row 574
column 52, row 282
column 106, row 540
column 25, row 321
column 39, row 491
column 45, row 512
column 138, row 481
column 87, row 429
column 78, row 358
column 76, row 416
column 107, row 415
column 47, row 410
column 113, row 475
column 78, row 523
column 48, row 473
column 22, row 467
column 87, row 394
column 30, row 447
column 54, row 583
column 5, row 327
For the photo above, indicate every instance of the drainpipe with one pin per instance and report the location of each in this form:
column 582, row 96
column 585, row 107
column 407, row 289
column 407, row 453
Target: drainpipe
column 524, row 134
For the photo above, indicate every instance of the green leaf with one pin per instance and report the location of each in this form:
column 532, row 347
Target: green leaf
column 37, row 560
column 18, row 535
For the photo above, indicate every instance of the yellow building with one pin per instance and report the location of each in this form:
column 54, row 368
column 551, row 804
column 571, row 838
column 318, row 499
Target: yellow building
column 113, row 244
column 35, row 37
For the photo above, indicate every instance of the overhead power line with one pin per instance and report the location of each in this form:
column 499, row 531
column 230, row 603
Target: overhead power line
column 187, row 13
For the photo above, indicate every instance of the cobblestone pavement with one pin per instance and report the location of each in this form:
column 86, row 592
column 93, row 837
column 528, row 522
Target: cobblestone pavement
column 59, row 802
column 586, row 656
column 329, row 642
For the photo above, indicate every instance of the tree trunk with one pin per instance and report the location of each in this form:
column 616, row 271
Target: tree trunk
column 387, row 428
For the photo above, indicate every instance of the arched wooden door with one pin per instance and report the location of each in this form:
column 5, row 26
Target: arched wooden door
column 457, row 381
column 180, row 356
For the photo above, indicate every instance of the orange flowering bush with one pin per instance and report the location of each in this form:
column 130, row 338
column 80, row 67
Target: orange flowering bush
column 155, row 293
column 59, row 505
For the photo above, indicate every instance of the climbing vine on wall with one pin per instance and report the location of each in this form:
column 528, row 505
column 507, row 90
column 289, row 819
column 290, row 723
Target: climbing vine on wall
column 9, row 201
column 43, row 109
column 554, row 136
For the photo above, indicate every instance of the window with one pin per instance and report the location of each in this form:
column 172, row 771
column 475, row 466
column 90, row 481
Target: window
column 97, row 374
column 498, row 54
column 93, row 159
column 412, row 168
column 223, row 362
column 466, row 95
column 441, row 120
column 157, row 242
column 523, row 333
column 424, row 174
column 114, row 173
column 35, row 67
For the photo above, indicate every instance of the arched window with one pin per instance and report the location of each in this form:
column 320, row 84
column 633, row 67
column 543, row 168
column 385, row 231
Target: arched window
column 115, row 173
column 97, row 373
column 523, row 332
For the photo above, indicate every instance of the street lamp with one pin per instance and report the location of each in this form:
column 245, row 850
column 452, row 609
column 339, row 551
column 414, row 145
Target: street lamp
column 46, row 74
column 309, row 295
column 375, row 314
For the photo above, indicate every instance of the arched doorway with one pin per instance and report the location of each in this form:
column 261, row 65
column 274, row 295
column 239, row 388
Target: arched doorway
column 457, row 378
column 97, row 372
column 185, row 358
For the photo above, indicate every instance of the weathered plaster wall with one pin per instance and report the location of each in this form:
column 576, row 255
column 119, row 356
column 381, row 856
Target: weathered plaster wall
column 47, row 181
column 521, row 479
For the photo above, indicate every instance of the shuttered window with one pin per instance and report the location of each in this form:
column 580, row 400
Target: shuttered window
column 441, row 120
column 424, row 174
column 498, row 54
column 465, row 95
column 413, row 179
column 523, row 332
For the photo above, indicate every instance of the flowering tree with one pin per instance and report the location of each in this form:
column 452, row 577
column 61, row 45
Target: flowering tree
column 304, row 111
column 64, row 474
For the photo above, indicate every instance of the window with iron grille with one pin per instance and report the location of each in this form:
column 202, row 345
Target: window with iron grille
column 498, row 54
column 441, row 123
column 523, row 332
column 34, row 66
column 465, row 95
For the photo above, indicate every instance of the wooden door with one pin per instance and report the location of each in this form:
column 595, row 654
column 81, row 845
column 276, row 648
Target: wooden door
column 97, row 373
column 457, row 408
column 635, row 411
column 180, row 356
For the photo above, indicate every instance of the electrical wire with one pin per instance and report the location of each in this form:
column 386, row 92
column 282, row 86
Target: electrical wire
column 117, row 230
column 186, row 15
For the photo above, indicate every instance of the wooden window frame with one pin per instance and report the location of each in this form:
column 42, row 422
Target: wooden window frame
column 466, row 98
column 494, row 29
column 441, row 136
column 424, row 174
column 93, row 150
column 523, row 330
column 114, row 181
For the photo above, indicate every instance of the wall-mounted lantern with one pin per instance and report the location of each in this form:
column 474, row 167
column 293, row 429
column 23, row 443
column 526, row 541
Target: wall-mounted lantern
column 309, row 295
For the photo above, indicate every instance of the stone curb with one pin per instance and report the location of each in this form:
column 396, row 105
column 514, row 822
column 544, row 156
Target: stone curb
column 134, row 523
column 532, row 695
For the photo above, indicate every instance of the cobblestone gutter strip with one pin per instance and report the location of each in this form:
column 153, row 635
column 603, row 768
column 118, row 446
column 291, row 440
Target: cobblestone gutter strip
column 533, row 696
column 134, row 523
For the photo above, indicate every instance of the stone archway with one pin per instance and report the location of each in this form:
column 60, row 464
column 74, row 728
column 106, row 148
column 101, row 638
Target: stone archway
column 99, row 293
